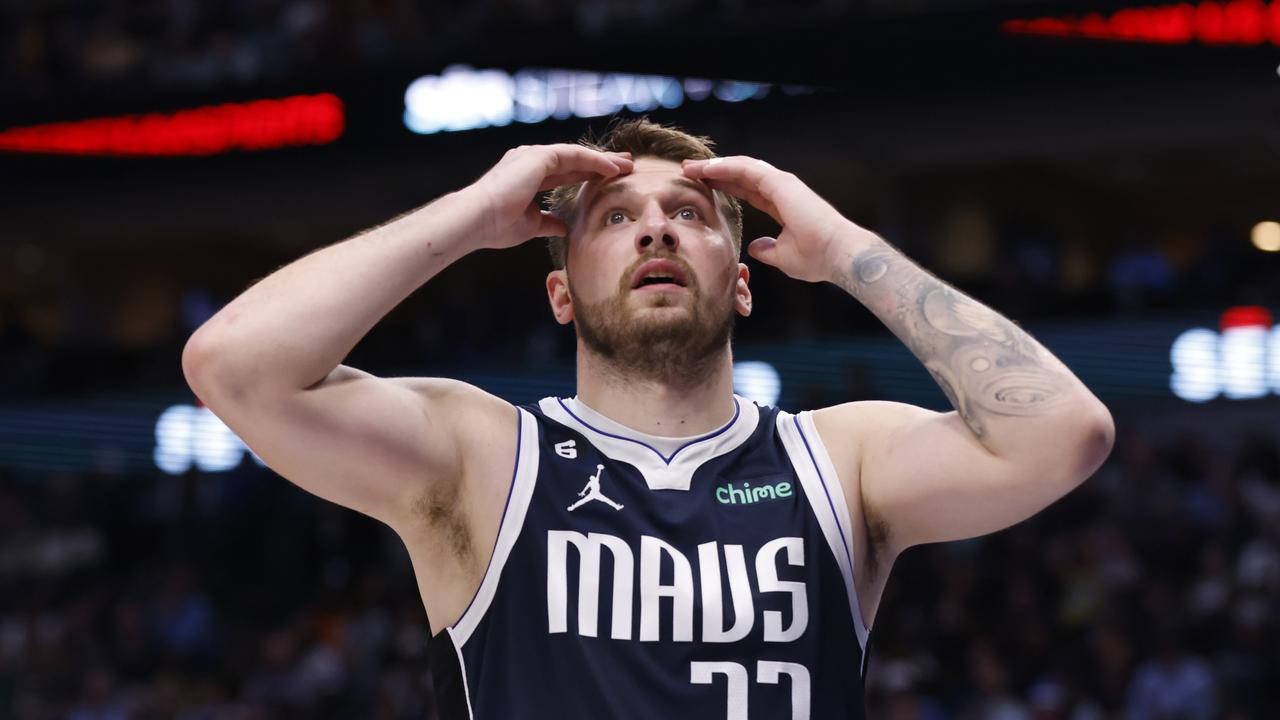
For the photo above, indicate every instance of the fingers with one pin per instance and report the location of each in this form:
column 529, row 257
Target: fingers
column 764, row 249
column 737, row 167
column 571, row 164
column 740, row 176
column 753, row 197
column 551, row 226
column 555, row 181
column 566, row 158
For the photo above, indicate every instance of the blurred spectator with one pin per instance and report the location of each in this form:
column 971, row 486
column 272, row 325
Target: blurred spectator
column 1173, row 684
column 118, row 605
column 992, row 696
column 1138, row 273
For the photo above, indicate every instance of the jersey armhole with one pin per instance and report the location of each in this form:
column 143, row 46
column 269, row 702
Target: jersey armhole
column 826, row 498
column 523, row 477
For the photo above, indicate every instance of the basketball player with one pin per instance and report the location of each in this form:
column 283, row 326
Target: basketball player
column 656, row 546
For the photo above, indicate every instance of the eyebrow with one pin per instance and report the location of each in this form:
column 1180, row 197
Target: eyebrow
column 622, row 187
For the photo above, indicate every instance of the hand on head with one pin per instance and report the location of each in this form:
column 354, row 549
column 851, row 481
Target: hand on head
column 810, row 225
column 509, row 189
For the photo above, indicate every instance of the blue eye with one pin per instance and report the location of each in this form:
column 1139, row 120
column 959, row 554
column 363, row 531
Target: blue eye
column 609, row 216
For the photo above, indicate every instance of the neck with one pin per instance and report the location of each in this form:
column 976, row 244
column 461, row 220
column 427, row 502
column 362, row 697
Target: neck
column 697, row 403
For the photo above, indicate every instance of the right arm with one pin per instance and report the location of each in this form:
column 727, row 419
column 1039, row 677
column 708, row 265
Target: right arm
column 269, row 363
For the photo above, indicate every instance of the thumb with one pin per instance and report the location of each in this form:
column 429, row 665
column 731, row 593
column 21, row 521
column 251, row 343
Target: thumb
column 551, row 226
column 764, row 249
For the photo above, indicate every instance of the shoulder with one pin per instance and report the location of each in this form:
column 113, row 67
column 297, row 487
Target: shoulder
column 867, row 417
column 849, row 428
column 853, row 431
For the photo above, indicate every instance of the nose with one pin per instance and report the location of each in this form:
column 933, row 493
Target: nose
column 655, row 228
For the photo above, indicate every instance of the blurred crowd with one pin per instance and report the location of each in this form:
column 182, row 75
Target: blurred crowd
column 54, row 46
column 202, row 597
column 1147, row 594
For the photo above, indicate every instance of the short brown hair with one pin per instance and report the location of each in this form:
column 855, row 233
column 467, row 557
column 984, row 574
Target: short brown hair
column 642, row 138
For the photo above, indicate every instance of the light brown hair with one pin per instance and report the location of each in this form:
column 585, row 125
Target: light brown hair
column 642, row 138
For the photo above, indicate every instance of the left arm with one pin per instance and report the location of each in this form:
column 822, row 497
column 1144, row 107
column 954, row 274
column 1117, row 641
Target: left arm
column 1025, row 430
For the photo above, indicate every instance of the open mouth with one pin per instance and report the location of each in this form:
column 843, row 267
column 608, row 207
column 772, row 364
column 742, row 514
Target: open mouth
column 659, row 280
column 659, row 274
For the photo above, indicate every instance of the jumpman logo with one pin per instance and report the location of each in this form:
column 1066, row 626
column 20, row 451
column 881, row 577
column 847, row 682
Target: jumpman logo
column 592, row 492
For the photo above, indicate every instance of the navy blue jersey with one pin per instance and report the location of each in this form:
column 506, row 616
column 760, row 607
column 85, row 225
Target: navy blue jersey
column 637, row 577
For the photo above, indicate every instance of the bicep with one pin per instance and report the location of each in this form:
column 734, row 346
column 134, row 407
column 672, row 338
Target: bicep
column 364, row 442
column 928, row 479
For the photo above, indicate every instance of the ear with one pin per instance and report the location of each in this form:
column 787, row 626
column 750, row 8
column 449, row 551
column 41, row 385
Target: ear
column 742, row 292
column 558, row 295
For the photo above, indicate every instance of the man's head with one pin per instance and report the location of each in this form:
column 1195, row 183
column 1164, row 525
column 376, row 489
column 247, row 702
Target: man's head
column 641, row 138
column 629, row 232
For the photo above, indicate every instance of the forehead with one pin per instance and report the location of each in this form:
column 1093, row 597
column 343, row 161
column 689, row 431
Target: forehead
column 647, row 175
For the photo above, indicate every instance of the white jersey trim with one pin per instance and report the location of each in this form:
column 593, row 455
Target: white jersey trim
column 661, row 472
column 523, row 478
column 826, row 497
column 462, row 670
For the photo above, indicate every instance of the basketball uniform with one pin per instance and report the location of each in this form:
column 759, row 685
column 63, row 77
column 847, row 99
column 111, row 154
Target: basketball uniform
column 638, row 577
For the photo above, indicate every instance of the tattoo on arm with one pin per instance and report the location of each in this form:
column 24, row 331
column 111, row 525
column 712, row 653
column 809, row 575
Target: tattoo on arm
column 986, row 365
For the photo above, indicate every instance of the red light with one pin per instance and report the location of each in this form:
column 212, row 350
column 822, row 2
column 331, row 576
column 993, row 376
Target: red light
column 1246, row 316
column 1236, row 22
column 256, row 125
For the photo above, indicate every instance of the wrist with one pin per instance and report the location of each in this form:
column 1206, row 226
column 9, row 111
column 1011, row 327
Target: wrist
column 451, row 226
column 849, row 242
column 475, row 202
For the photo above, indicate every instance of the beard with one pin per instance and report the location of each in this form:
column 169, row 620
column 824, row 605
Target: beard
column 678, row 348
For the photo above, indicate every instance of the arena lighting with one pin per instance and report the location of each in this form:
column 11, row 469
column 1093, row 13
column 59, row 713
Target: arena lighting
column 1241, row 362
column 1236, row 22
column 463, row 98
column 187, row 435
column 757, row 380
column 1266, row 236
column 255, row 125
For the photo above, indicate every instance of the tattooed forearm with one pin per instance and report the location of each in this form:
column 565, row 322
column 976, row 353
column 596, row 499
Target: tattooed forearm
column 985, row 364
